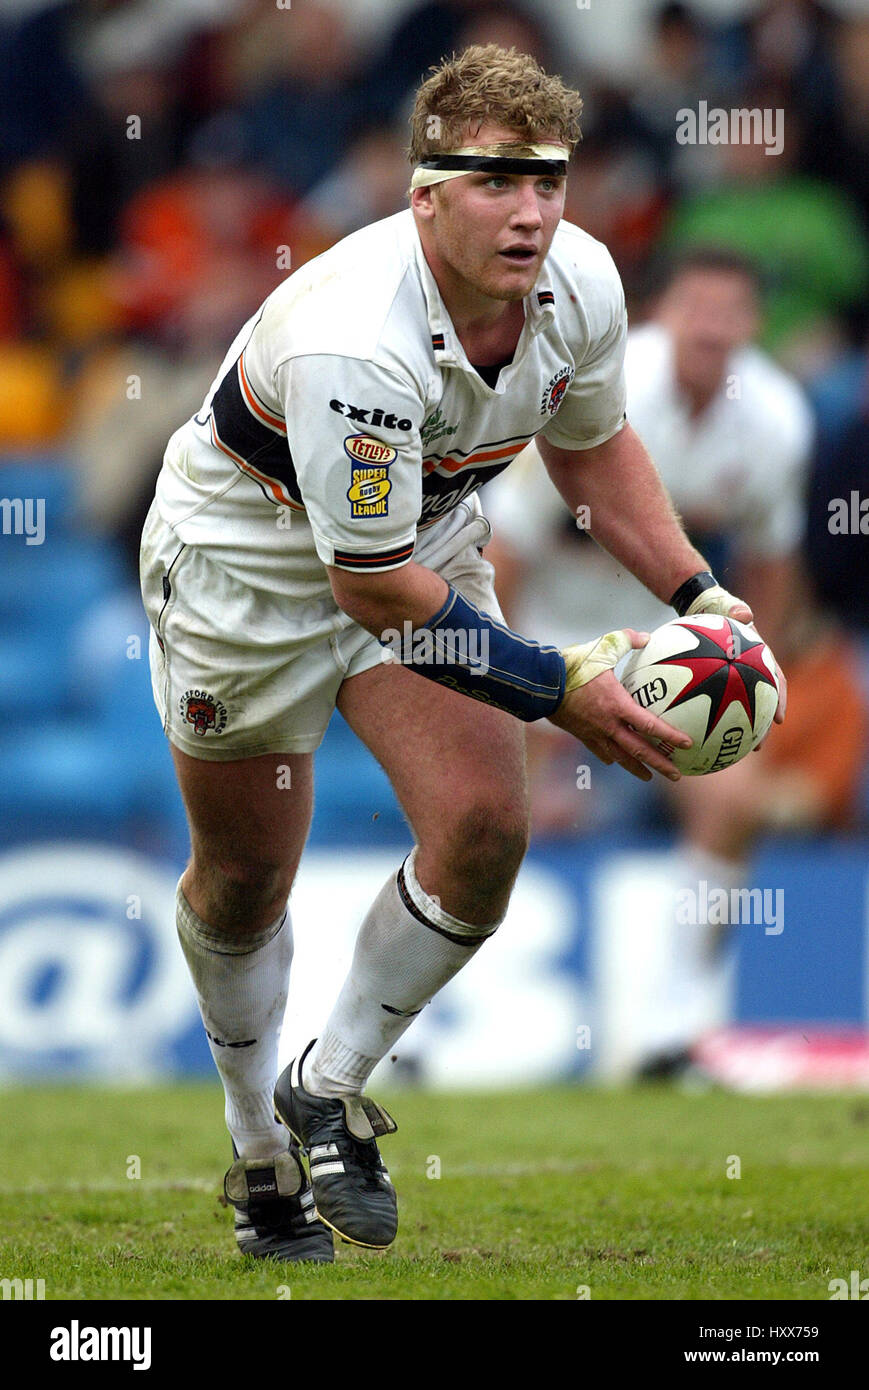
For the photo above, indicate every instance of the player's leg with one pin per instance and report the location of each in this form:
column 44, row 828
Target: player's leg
column 721, row 816
column 235, row 673
column 223, row 657
column 248, row 825
column 458, row 768
column 249, row 819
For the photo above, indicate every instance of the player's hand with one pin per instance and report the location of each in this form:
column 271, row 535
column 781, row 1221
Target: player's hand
column 601, row 714
column 726, row 605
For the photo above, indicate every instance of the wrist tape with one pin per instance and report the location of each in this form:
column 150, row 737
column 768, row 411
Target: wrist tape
column 591, row 659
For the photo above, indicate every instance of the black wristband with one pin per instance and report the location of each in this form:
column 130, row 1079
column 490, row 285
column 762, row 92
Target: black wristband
column 691, row 589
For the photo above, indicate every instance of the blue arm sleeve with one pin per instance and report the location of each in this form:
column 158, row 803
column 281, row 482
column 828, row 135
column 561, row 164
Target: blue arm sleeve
column 467, row 650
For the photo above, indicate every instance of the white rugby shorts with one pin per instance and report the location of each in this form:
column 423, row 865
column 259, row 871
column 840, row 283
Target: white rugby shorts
column 237, row 671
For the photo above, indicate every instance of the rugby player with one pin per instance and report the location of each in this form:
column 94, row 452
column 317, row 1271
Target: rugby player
column 318, row 514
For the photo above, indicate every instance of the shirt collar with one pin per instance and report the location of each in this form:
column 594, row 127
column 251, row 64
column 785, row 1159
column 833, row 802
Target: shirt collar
column 446, row 348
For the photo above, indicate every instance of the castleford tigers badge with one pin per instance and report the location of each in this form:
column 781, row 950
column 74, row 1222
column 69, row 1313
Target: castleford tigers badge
column 204, row 712
column 368, row 493
column 554, row 393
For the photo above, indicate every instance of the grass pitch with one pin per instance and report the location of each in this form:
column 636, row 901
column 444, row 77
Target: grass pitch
column 541, row 1195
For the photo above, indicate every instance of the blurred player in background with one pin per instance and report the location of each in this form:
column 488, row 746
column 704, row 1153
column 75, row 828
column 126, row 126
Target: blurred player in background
column 731, row 434
column 318, row 514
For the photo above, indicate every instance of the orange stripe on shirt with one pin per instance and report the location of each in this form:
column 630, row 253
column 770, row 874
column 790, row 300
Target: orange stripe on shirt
column 274, row 487
column 267, row 416
column 485, row 456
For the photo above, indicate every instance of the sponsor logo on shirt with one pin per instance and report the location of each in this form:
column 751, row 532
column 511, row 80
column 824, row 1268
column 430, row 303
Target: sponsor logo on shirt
column 368, row 493
column 554, row 393
column 363, row 449
column 436, row 505
column 377, row 417
column 434, row 425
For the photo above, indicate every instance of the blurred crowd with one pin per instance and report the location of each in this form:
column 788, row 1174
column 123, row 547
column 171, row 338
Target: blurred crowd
column 165, row 163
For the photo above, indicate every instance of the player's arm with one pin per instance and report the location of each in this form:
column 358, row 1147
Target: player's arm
column 630, row 512
column 633, row 518
column 385, row 601
column 576, row 689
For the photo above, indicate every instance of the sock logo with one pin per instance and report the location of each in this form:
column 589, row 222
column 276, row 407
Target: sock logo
column 221, row 1042
column 401, row 1013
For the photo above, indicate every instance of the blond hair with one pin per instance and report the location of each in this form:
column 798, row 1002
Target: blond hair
column 488, row 84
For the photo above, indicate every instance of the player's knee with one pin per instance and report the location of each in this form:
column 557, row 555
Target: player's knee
column 490, row 839
column 244, row 894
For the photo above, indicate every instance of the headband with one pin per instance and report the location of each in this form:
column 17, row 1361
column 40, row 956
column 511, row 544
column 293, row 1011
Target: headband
column 501, row 158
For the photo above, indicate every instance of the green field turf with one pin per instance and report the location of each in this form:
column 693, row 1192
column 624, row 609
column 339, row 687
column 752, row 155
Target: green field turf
column 540, row 1193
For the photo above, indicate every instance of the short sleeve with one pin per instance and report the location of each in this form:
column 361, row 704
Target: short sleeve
column 353, row 430
column 593, row 407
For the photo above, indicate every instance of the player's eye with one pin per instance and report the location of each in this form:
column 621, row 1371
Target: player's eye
column 499, row 179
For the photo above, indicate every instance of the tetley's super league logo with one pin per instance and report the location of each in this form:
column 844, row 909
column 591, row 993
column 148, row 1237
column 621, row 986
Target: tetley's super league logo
column 370, row 486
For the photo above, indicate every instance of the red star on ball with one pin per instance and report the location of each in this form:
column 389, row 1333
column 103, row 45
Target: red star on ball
column 723, row 666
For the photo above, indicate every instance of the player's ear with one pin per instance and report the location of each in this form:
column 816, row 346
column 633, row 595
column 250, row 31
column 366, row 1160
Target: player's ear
column 422, row 202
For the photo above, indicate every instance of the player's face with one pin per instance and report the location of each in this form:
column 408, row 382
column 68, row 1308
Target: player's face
column 710, row 314
column 494, row 230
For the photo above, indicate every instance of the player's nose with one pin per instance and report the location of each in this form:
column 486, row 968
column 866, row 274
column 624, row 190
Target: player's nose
column 526, row 210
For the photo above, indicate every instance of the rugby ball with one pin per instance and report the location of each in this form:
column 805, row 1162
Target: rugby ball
column 713, row 678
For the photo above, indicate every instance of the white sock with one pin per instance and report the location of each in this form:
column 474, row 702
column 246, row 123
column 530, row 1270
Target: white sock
column 408, row 948
column 242, row 997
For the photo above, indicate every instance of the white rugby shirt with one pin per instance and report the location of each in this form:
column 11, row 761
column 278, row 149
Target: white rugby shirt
column 347, row 427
